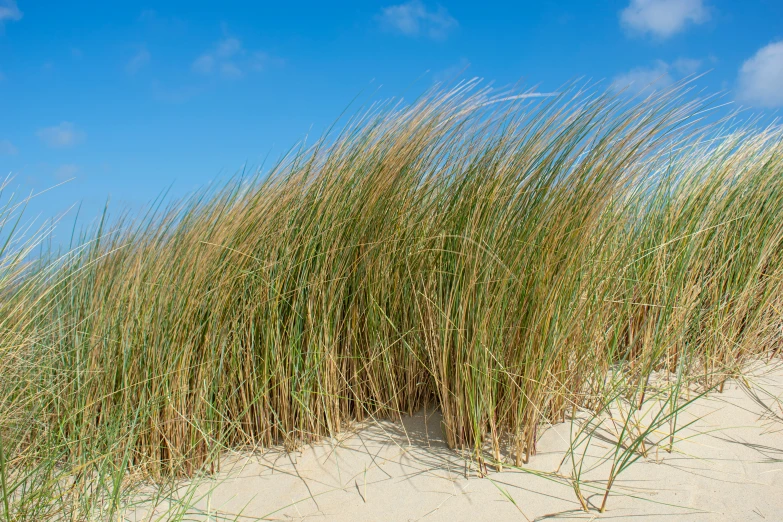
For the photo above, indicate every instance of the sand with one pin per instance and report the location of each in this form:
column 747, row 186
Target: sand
column 727, row 465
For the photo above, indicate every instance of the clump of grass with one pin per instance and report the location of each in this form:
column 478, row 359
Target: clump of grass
column 632, row 426
column 503, row 257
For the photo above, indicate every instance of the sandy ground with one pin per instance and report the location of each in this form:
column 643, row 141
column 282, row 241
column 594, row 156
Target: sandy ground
column 727, row 465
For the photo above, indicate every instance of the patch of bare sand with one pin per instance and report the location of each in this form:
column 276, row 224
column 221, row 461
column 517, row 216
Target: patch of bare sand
column 727, row 465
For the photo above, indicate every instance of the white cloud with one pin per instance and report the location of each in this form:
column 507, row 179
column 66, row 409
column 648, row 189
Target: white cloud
column 7, row 148
column 640, row 79
column 204, row 64
column 66, row 171
column 63, row 135
column 662, row 18
column 9, row 11
column 230, row 70
column 138, row 61
column 261, row 60
column 219, row 59
column 687, row 66
column 231, row 60
column 760, row 79
column 452, row 73
column 414, row 18
column 228, row 47
column 659, row 75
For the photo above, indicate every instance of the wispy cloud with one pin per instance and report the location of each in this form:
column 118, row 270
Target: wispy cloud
column 60, row 136
column 137, row 61
column 662, row 18
column 659, row 75
column 220, row 59
column 222, row 54
column 687, row 66
column 9, row 12
column 414, row 19
column 204, row 64
column 7, row 148
column 760, row 79
column 260, row 61
column 231, row 60
column 452, row 73
column 231, row 70
column 67, row 171
column 638, row 79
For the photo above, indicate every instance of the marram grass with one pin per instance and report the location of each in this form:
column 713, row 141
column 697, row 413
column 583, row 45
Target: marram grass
column 500, row 257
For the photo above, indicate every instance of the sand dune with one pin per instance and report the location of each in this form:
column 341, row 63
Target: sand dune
column 727, row 465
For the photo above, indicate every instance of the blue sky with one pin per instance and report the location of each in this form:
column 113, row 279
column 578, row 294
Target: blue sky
column 130, row 98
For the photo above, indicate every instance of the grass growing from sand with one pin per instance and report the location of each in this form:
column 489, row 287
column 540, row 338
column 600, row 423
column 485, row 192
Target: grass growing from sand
column 505, row 258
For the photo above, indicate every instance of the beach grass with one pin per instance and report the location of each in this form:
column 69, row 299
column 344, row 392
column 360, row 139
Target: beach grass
column 508, row 259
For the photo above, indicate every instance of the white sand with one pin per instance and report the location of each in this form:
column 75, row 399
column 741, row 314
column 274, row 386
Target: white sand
column 727, row 466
